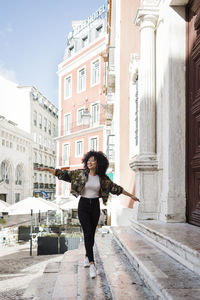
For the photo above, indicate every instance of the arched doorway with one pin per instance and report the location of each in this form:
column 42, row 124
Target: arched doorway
column 193, row 113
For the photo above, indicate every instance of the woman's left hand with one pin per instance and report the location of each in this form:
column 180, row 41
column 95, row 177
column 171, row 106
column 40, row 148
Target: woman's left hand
column 135, row 198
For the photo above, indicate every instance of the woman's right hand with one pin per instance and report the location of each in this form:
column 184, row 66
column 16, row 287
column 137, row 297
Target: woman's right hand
column 46, row 169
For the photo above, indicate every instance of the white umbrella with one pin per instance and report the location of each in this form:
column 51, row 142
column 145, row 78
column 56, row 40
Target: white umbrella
column 71, row 204
column 4, row 206
column 31, row 203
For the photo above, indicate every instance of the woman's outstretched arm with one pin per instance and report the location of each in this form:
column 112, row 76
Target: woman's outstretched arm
column 52, row 171
column 130, row 195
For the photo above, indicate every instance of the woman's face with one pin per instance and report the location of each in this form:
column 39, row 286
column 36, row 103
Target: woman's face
column 92, row 163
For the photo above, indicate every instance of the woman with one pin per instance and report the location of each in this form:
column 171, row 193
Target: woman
column 90, row 183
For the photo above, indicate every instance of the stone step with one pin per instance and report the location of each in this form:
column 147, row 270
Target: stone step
column 123, row 283
column 165, row 277
column 73, row 281
column 179, row 240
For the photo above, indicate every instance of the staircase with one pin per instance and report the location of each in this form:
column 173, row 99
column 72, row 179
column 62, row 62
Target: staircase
column 150, row 260
column 166, row 257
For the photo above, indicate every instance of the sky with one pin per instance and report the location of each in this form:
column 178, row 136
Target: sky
column 33, row 39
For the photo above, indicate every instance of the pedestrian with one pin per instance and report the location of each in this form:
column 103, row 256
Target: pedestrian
column 90, row 183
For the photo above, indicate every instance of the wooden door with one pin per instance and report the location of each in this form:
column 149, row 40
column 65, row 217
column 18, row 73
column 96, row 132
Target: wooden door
column 193, row 113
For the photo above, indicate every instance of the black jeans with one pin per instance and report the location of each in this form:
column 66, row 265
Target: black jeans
column 88, row 213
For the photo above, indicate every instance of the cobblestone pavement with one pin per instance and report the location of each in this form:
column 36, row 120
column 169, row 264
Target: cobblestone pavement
column 18, row 269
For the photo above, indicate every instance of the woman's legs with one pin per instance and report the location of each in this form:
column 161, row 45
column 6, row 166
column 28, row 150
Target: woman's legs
column 88, row 213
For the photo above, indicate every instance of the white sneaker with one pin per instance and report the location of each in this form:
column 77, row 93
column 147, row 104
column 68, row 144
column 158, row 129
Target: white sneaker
column 93, row 271
column 86, row 262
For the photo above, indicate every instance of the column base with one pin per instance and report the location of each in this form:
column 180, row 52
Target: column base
column 146, row 186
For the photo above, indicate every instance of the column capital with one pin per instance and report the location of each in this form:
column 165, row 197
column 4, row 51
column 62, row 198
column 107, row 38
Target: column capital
column 147, row 17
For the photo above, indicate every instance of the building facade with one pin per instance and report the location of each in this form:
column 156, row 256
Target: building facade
column 83, row 110
column 162, row 105
column 123, row 41
column 163, row 98
column 37, row 116
column 15, row 162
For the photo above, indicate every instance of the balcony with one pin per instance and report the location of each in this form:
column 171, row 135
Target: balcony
column 35, row 185
column 41, row 185
column 46, row 185
column 35, row 165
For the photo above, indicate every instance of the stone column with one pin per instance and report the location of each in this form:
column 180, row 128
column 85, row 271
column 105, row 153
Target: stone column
column 145, row 165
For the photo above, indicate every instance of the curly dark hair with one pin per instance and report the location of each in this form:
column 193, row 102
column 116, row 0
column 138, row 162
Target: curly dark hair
column 102, row 161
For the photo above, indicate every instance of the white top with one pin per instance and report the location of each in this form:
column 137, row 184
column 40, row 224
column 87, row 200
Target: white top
column 92, row 187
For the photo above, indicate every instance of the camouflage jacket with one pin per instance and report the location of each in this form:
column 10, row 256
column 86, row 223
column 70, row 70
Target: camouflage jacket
column 78, row 179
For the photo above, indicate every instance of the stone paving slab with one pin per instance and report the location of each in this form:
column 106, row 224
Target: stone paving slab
column 179, row 240
column 123, row 280
column 162, row 274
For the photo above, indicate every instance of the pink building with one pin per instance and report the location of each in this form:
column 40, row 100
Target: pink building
column 82, row 94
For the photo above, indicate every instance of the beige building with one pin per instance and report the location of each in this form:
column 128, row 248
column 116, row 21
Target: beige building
column 36, row 115
column 15, row 162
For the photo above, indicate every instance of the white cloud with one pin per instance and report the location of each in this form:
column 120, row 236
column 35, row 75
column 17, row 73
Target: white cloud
column 8, row 74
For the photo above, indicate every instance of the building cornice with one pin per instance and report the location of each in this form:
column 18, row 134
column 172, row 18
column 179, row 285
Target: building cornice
column 63, row 67
column 150, row 13
column 80, row 133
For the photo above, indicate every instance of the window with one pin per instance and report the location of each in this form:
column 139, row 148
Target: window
column 40, row 139
column 40, row 121
column 93, row 144
column 49, row 127
column 68, row 87
column 95, row 114
column 49, row 161
column 4, row 176
column 40, row 178
column 19, row 175
column 99, row 30
column 35, row 177
column 35, row 118
column 45, row 160
column 35, row 157
column 50, row 179
column 45, row 178
column 67, row 123
column 79, row 116
column 79, row 148
column 71, row 50
column 66, row 154
column 40, row 156
column 45, row 124
column 85, row 41
column 17, row 197
column 54, row 130
column 81, row 80
column 95, row 72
